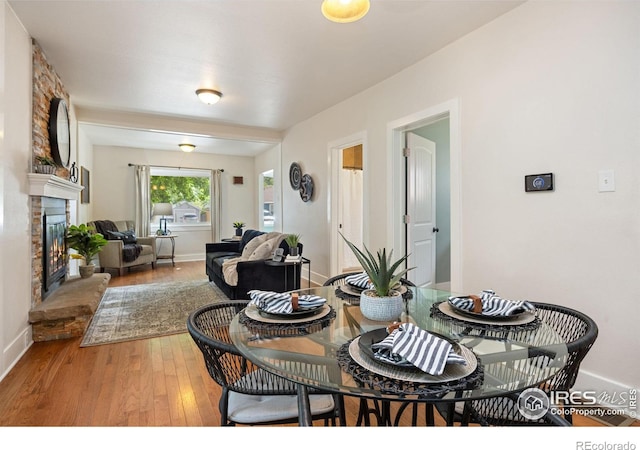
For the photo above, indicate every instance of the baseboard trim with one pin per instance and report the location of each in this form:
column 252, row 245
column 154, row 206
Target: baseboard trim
column 610, row 393
column 15, row 350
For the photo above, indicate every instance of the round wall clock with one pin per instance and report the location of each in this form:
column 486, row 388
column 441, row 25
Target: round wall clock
column 59, row 132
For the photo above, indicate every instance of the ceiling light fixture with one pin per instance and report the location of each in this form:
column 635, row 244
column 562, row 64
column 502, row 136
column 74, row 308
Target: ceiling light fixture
column 188, row 148
column 209, row 96
column 345, row 11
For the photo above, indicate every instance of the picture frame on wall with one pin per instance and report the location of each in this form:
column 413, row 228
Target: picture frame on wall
column 84, row 180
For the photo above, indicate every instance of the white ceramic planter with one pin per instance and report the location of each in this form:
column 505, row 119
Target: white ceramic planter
column 381, row 309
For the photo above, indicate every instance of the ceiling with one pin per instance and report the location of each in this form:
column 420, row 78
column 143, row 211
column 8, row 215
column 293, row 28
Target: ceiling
column 277, row 62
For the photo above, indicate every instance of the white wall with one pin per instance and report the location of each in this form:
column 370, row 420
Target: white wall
column 15, row 163
column 548, row 87
column 113, row 190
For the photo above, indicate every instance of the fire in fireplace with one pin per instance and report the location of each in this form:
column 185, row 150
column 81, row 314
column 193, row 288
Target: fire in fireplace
column 54, row 252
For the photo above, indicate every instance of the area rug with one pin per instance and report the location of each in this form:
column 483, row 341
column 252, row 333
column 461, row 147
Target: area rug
column 148, row 310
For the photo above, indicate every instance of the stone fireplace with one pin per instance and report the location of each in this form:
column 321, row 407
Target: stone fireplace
column 61, row 306
column 50, row 197
column 69, row 301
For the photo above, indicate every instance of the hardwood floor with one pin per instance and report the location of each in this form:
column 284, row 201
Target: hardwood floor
column 149, row 382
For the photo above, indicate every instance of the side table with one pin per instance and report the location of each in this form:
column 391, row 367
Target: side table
column 172, row 238
column 299, row 263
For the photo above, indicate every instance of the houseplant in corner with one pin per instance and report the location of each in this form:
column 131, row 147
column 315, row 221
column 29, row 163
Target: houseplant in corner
column 238, row 226
column 292, row 241
column 87, row 243
column 383, row 302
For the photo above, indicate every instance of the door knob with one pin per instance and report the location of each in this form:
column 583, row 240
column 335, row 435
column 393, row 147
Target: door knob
column 436, row 229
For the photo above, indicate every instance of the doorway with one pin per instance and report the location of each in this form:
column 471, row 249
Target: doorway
column 350, row 198
column 441, row 125
column 348, row 164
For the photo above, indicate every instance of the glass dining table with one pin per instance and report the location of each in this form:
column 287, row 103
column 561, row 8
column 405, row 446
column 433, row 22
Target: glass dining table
column 331, row 350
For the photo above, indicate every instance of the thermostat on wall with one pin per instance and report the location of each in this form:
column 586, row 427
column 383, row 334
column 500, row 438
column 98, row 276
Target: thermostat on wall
column 539, row 182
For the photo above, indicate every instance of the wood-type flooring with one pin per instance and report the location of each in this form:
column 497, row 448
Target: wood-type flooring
column 158, row 382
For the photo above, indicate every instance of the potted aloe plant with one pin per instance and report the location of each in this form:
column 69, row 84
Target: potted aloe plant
column 292, row 241
column 383, row 302
column 87, row 243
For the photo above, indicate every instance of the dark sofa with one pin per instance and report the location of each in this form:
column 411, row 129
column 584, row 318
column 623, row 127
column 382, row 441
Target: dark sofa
column 259, row 274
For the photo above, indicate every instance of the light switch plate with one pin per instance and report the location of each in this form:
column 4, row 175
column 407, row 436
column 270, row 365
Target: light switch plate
column 606, row 181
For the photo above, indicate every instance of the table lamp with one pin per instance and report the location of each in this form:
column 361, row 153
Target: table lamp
column 162, row 209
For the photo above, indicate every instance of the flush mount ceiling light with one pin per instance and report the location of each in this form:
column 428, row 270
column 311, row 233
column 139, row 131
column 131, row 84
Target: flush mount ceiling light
column 187, row 147
column 345, row 11
column 209, row 96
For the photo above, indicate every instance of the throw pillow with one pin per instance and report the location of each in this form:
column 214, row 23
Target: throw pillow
column 127, row 237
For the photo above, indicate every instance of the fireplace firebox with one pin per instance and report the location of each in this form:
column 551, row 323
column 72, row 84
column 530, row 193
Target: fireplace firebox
column 54, row 251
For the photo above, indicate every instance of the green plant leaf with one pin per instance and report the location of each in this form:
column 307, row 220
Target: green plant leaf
column 381, row 268
column 292, row 240
column 85, row 241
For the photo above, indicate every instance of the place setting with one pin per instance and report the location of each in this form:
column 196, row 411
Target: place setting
column 487, row 309
column 358, row 282
column 403, row 358
column 282, row 311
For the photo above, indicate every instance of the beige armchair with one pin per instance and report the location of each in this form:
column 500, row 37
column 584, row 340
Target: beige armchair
column 112, row 255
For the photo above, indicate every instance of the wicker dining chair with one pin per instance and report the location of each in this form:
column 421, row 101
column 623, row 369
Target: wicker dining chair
column 250, row 395
column 378, row 408
column 579, row 331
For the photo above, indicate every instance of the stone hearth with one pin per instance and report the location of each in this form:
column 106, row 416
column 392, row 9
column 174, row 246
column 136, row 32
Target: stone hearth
column 68, row 311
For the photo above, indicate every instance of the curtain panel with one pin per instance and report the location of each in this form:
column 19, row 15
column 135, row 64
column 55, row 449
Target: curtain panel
column 216, row 204
column 143, row 200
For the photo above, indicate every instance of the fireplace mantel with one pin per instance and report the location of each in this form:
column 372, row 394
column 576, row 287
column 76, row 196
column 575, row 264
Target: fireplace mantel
column 44, row 185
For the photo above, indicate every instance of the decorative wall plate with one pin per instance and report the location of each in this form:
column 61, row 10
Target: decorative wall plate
column 295, row 175
column 306, row 188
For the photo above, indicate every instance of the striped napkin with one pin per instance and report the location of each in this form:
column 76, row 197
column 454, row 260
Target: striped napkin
column 409, row 343
column 493, row 305
column 280, row 303
column 359, row 280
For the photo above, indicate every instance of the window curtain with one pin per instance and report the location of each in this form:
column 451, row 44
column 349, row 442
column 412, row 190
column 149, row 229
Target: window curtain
column 143, row 200
column 216, row 204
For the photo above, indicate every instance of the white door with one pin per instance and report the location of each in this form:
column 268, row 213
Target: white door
column 421, row 210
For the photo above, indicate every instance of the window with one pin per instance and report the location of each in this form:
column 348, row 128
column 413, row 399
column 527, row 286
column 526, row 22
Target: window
column 187, row 191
